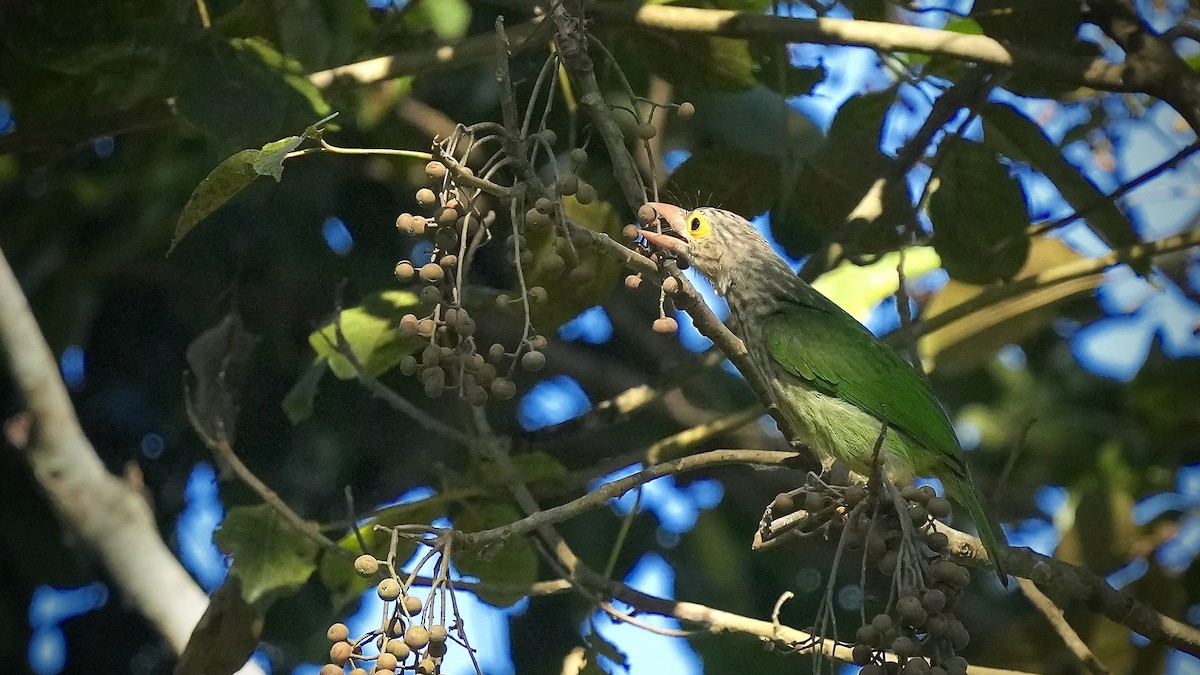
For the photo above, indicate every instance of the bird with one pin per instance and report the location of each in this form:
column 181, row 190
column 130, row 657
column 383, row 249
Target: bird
column 832, row 380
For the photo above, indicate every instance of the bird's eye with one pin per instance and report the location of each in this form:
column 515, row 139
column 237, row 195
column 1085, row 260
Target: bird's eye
column 698, row 226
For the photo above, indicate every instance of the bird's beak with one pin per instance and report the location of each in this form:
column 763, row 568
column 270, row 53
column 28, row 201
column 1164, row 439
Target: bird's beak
column 673, row 215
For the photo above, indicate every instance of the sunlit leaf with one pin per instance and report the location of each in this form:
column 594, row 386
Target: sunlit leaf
column 270, row 159
column 270, row 556
column 859, row 288
column 371, row 330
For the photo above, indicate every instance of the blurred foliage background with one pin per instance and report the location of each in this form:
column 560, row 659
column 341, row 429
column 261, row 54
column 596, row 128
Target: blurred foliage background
column 114, row 112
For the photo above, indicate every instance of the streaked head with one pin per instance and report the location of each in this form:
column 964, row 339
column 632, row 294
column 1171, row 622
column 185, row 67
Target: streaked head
column 716, row 242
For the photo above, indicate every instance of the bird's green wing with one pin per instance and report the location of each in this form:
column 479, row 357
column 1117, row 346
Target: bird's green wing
column 838, row 357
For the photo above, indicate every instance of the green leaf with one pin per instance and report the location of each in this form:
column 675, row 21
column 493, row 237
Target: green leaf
column 242, row 93
column 979, row 216
column 569, row 295
column 858, row 289
column 835, row 179
column 298, row 404
column 743, row 182
column 270, row 159
column 509, row 562
column 447, row 18
column 1018, row 137
column 218, row 187
column 691, row 61
column 371, row 331
column 1037, row 24
column 270, row 556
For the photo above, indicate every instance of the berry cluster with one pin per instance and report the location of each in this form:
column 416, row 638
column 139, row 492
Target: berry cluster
column 896, row 533
column 407, row 640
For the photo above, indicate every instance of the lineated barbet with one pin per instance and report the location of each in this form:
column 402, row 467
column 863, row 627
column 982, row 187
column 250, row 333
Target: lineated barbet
column 834, row 381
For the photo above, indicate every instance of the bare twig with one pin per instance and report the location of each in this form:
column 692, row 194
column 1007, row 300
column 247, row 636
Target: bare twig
column 1054, row 615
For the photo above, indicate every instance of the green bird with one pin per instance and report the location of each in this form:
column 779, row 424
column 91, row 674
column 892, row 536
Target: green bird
column 829, row 376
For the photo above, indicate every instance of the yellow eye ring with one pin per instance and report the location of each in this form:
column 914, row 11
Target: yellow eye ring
column 698, row 225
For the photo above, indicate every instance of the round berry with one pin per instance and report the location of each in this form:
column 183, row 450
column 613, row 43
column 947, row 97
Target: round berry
column 427, row 666
column 939, row 507
column 425, row 327
column 862, row 654
column 331, row 669
column 412, row 604
column 538, row 295
column 533, row 361
column 405, row 270
column 366, row 565
column 646, row 214
column 398, row 649
column 646, row 131
column 537, row 342
column 435, row 169
column 578, row 156
column 549, row 136
column 632, row 282
column 670, row 285
column 432, row 272
column 438, row 634
column 503, row 388
column 416, row 637
column 388, row 590
column 586, row 194
column 426, row 197
column 338, row 632
column 386, row 661
column 665, row 325
column 430, row 295
column 933, row 600
column 685, row 110
column 784, row 503
column 340, row 653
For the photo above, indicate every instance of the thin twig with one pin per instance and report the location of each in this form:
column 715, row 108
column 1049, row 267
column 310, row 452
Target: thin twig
column 1054, row 615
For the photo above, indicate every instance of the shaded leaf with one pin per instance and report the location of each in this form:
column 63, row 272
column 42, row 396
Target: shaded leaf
column 739, row 181
column 979, row 216
column 218, row 187
column 1018, row 137
column 218, row 361
column 298, row 404
column 1035, row 23
column 226, row 635
column 270, row 557
column 242, row 93
column 371, row 331
column 836, row 178
column 509, row 562
column 697, row 61
column 971, row 341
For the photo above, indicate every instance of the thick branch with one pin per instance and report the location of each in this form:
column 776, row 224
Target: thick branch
column 1150, row 60
column 109, row 515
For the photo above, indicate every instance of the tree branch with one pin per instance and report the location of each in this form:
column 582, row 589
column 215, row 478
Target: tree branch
column 1054, row 615
column 109, row 515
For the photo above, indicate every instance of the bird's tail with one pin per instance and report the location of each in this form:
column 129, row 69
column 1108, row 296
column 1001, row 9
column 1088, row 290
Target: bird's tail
column 963, row 492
